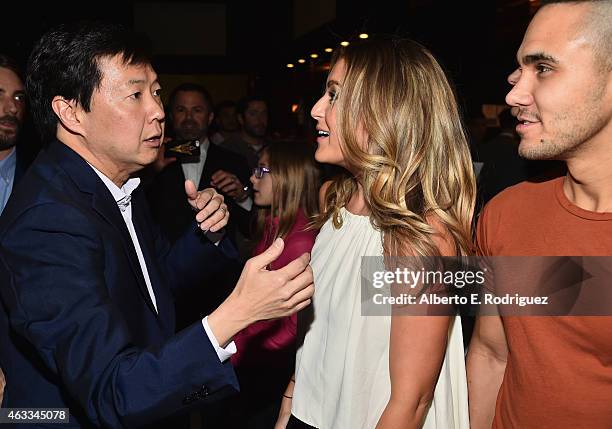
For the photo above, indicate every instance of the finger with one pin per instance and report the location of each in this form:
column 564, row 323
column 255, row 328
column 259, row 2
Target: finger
column 300, row 282
column 205, row 196
column 296, row 267
column 215, row 219
column 229, row 188
column 224, row 181
column 268, row 256
column 211, row 207
column 223, row 222
column 302, row 305
column 219, row 175
column 303, row 295
column 191, row 191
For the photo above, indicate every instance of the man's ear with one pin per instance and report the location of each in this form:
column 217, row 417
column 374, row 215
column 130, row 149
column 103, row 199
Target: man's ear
column 69, row 114
column 211, row 117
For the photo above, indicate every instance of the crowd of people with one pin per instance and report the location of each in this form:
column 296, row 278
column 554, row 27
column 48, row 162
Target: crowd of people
column 220, row 285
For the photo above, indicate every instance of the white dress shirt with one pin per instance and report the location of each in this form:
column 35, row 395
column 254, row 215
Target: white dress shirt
column 193, row 172
column 123, row 196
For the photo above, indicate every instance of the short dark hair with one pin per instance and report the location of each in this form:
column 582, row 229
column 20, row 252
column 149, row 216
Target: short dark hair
column 598, row 25
column 244, row 102
column 65, row 62
column 9, row 63
column 190, row 87
column 225, row 104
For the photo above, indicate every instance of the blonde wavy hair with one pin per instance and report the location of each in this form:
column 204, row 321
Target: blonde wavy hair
column 416, row 171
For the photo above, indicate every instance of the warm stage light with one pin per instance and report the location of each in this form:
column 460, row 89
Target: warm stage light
column 314, row 56
column 329, row 50
column 345, row 43
column 294, row 108
column 290, row 66
column 301, row 61
column 363, row 36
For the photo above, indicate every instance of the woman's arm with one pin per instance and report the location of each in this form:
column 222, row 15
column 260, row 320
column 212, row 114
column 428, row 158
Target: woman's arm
column 416, row 353
column 285, row 408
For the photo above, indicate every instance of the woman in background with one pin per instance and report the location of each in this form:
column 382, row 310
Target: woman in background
column 285, row 185
column 389, row 117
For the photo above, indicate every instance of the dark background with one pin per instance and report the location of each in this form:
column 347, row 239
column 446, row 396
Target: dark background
column 475, row 41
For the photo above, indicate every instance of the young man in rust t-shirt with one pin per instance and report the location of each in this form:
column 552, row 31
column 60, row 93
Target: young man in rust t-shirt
column 552, row 372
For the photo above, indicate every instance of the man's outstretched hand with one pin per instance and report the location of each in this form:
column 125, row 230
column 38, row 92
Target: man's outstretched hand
column 262, row 294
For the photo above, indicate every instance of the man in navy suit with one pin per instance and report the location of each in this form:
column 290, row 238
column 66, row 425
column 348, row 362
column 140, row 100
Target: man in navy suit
column 86, row 280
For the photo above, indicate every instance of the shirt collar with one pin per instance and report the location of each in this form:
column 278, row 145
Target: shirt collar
column 118, row 193
column 204, row 145
column 7, row 165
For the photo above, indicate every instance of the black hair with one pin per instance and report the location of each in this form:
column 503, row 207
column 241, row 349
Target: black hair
column 224, row 105
column 65, row 63
column 243, row 104
column 9, row 63
column 190, row 87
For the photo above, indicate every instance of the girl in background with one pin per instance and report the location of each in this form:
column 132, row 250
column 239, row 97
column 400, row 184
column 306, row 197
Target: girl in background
column 388, row 116
column 285, row 185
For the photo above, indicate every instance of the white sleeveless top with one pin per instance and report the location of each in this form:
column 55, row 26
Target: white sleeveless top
column 342, row 366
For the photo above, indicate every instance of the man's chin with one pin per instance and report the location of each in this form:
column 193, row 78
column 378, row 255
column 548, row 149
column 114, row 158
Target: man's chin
column 539, row 150
column 188, row 136
column 7, row 142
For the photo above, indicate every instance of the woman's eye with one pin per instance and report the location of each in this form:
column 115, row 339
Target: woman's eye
column 157, row 92
column 136, row 95
column 332, row 96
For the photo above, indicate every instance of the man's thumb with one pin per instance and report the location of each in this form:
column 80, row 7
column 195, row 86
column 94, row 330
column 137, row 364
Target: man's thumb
column 190, row 190
column 270, row 254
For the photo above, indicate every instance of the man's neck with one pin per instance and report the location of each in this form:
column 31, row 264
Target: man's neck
column 6, row 152
column 589, row 179
column 102, row 164
column 252, row 141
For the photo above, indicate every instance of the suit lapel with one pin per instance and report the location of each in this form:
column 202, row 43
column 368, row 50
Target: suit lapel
column 207, row 168
column 163, row 298
column 103, row 203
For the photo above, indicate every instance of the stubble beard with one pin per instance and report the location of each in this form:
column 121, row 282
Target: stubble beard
column 574, row 129
column 7, row 142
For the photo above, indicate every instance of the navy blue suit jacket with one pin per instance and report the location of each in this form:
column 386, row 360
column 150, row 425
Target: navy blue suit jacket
column 77, row 325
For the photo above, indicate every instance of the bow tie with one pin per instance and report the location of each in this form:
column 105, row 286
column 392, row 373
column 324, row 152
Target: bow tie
column 124, row 202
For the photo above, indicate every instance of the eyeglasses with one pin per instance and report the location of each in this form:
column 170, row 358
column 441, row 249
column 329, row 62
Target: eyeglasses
column 259, row 172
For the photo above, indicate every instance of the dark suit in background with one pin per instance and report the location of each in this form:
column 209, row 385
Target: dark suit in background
column 173, row 213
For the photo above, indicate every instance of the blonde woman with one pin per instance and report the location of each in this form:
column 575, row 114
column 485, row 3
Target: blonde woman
column 389, row 116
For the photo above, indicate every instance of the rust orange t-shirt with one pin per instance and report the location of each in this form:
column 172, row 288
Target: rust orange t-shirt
column 559, row 369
